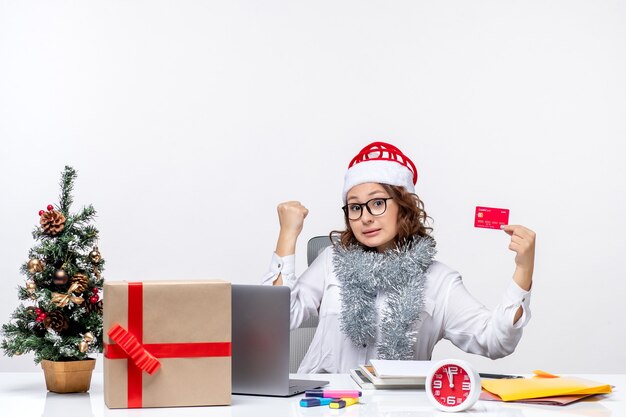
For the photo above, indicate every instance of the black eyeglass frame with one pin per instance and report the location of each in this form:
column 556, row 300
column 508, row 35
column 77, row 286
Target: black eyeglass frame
column 366, row 205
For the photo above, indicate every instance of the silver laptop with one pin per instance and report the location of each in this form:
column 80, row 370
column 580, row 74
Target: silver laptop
column 261, row 342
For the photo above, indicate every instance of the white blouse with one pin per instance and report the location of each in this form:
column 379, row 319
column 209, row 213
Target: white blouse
column 450, row 312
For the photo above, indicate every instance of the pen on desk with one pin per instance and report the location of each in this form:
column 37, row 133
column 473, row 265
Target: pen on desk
column 331, row 393
column 499, row 376
column 314, row 402
column 343, row 402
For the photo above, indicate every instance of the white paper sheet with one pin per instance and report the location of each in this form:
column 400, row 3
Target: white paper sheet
column 388, row 369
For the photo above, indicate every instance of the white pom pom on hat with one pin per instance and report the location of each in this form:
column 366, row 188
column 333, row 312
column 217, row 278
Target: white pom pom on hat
column 382, row 163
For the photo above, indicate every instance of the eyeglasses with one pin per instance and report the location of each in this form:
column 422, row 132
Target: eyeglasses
column 375, row 206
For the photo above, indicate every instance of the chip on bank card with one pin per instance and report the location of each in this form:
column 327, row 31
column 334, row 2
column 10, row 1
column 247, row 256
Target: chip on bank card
column 490, row 217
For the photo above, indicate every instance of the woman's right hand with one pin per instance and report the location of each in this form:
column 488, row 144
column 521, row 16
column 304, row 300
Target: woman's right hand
column 291, row 215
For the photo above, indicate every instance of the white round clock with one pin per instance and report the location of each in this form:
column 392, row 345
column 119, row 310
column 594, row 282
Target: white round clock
column 452, row 385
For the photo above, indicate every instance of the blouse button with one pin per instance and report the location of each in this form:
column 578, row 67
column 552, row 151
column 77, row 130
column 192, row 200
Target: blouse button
column 364, row 344
column 279, row 265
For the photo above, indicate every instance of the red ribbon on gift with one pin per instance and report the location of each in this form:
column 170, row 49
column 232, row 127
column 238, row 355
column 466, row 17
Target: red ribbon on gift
column 143, row 357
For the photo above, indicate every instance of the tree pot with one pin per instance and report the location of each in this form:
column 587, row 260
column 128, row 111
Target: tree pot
column 71, row 376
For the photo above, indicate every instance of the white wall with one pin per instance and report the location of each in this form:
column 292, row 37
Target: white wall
column 188, row 121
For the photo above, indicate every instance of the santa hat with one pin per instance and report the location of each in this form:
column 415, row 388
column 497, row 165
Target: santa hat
column 382, row 163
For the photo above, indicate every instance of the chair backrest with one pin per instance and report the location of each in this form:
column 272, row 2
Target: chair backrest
column 300, row 338
column 315, row 246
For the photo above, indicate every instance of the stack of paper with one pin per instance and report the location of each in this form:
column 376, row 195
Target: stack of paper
column 543, row 388
column 388, row 374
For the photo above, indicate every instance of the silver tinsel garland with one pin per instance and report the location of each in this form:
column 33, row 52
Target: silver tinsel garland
column 398, row 273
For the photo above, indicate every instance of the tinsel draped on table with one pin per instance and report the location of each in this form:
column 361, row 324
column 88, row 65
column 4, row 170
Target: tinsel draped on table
column 401, row 275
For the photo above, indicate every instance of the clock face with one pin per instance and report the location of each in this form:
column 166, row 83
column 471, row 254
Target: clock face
column 451, row 385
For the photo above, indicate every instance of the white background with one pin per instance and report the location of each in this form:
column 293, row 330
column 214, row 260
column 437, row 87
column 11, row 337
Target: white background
column 189, row 121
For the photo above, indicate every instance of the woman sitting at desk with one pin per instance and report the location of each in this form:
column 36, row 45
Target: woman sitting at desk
column 378, row 291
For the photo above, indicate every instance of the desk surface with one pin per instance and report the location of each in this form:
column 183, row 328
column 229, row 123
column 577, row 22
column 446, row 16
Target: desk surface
column 24, row 394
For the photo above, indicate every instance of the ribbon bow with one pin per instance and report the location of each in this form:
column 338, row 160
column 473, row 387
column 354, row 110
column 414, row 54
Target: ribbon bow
column 61, row 300
column 135, row 350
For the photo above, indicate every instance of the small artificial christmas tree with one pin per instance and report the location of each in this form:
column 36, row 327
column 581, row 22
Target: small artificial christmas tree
column 63, row 284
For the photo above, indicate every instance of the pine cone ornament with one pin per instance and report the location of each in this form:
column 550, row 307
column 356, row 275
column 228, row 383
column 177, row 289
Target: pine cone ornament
column 94, row 308
column 52, row 222
column 56, row 321
column 82, row 281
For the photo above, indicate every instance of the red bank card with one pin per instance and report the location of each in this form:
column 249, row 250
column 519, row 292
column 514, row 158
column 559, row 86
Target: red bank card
column 491, row 218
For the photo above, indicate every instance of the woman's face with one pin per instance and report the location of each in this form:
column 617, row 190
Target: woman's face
column 374, row 231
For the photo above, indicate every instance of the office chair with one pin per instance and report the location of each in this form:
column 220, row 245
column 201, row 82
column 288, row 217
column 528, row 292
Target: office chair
column 300, row 338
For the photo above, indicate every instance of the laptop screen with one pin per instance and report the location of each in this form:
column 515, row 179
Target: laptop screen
column 260, row 339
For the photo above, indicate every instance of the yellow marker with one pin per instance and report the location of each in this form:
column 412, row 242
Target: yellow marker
column 343, row 402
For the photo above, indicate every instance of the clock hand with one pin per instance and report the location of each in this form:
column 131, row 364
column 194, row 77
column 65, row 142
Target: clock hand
column 450, row 381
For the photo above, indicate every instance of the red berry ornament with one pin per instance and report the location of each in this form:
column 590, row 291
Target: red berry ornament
column 50, row 207
column 94, row 290
column 41, row 212
column 94, row 299
column 38, row 311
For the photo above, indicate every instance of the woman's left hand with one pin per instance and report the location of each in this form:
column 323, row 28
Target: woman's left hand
column 523, row 244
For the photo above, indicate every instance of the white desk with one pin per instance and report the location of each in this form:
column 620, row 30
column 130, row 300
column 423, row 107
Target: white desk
column 24, row 394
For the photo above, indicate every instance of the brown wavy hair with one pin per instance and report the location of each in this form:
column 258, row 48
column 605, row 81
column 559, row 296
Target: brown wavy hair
column 412, row 219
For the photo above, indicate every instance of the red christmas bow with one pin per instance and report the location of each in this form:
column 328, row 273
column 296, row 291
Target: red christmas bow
column 135, row 350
